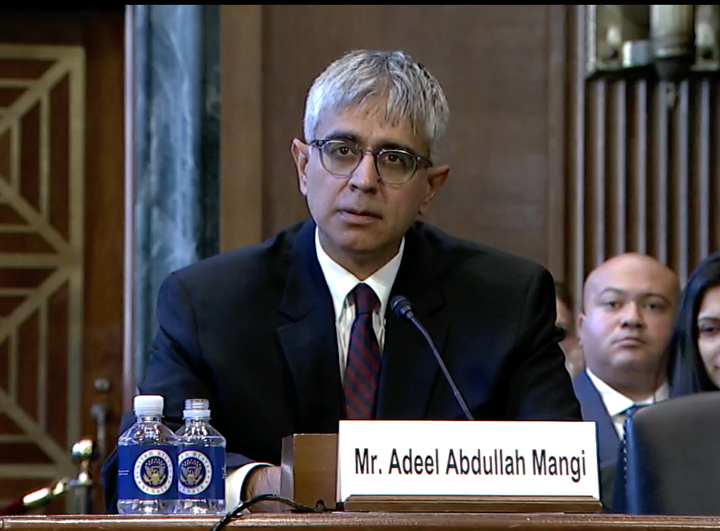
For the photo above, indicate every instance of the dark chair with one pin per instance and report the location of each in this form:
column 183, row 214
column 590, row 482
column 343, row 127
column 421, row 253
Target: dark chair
column 671, row 457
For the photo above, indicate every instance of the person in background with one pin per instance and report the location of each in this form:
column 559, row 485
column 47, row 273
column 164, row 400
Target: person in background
column 694, row 351
column 629, row 303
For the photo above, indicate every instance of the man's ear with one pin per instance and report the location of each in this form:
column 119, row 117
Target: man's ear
column 437, row 176
column 301, row 156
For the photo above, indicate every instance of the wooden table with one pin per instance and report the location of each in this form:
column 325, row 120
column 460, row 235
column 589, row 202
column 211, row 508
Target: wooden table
column 367, row 521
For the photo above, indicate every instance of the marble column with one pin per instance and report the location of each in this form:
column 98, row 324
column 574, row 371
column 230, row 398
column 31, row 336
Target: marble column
column 177, row 112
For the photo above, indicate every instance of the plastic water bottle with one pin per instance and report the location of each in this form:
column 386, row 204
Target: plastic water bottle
column 201, row 462
column 147, row 455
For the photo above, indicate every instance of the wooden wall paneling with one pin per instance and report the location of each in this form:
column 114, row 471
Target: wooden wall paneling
column 617, row 211
column 639, row 171
column 715, row 168
column 503, row 70
column 242, row 130
column 658, row 226
column 638, row 167
column 638, row 161
column 701, row 192
column 650, row 181
column 576, row 153
column 596, row 174
column 557, row 93
column 679, row 234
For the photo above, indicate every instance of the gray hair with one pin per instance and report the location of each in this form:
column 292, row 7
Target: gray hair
column 413, row 94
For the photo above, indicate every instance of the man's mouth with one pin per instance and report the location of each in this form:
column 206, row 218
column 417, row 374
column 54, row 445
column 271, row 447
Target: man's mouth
column 360, row 214
column 630, row 340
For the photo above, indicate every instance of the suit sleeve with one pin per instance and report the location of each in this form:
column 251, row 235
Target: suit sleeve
column 540, row 387
column 175, row 370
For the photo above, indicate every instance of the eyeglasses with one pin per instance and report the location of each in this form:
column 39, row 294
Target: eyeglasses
column 393, row 166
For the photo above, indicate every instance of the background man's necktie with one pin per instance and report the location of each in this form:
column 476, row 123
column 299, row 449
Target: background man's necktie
column 629, row 412
column 363, row 362
column 633, row 409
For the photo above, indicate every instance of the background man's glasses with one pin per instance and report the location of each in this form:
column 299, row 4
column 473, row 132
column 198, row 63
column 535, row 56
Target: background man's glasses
column 393, row 166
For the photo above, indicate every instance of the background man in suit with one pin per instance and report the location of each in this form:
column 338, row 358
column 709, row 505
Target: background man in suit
column 270, row 333
column 629, row 304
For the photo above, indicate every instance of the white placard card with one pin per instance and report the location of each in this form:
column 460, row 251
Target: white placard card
column 477, row 458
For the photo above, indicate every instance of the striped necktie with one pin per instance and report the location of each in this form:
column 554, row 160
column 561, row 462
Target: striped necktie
column 629, row 412
column 363, row 362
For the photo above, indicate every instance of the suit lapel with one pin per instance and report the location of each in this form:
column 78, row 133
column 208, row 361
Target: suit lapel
column 593, row 409
column 309, row 339
column 409, row 370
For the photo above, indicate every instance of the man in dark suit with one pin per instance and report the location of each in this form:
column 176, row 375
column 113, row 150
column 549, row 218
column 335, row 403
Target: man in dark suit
column 629, row 305
column 269, row 333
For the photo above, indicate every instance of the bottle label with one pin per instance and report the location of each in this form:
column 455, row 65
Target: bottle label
column 201, row 472
column 147, row 472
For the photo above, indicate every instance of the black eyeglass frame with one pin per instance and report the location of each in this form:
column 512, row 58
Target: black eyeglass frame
column 418, row 160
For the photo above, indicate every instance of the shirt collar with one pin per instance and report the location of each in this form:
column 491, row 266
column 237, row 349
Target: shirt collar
column 340, row 281
column 616, row 402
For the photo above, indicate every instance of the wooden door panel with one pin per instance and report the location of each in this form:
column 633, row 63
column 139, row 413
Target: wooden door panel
column 61, row 238
column 41, row 262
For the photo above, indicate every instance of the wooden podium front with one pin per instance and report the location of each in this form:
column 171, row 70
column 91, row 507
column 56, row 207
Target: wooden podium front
column 309, row 472
column 369, row 521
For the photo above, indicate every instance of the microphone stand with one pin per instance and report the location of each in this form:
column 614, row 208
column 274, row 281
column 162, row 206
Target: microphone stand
column 403, row 309
column 83, row 454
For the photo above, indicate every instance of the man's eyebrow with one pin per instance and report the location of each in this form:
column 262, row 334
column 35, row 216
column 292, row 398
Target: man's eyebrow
column 617, row 291
column 382, row 144
column 341, row 135
column 389, row 144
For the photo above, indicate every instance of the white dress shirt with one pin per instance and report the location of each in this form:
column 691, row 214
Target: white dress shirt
column 617, row 403
column 340, row 282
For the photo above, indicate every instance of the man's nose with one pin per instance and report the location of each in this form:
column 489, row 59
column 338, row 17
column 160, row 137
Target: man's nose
column 631, row 315
column 365, row 177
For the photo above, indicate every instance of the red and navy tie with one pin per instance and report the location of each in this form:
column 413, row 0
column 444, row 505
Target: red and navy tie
column 363, row 362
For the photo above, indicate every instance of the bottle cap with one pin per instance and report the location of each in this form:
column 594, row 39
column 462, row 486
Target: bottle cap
column 148, row 405
column 197, row 408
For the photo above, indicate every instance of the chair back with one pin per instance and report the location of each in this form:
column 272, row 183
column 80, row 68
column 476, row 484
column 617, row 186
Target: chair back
column 671, row 457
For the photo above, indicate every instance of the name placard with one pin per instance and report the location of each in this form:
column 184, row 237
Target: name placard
column 476, row 458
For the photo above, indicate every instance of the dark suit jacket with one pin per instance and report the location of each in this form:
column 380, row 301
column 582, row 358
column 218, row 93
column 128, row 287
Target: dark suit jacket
column 593, row 409
column 253, row 330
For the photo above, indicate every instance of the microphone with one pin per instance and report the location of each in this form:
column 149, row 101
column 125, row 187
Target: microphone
column 403, row 309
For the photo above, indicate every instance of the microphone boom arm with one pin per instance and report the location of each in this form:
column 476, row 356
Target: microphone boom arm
column 403, row 309
column 454, row 388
